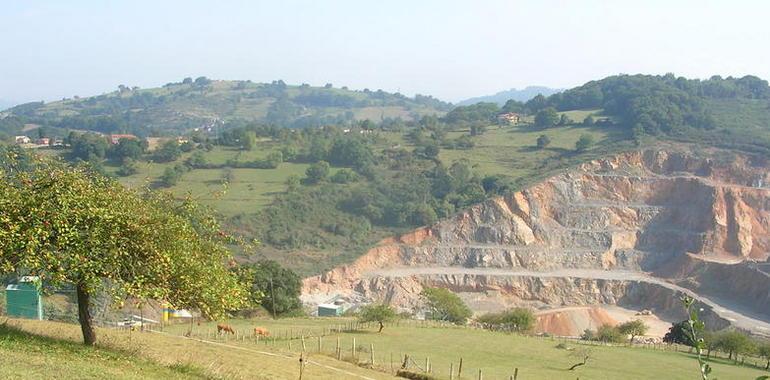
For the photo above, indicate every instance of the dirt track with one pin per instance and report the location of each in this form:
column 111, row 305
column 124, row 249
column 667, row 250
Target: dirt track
column 720, row 307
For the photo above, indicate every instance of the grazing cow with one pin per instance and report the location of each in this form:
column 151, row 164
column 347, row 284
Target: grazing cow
column 261, row 331
column 226, row 328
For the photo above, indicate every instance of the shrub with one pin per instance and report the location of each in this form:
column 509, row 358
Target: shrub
column 516, row 319
column 444, row 305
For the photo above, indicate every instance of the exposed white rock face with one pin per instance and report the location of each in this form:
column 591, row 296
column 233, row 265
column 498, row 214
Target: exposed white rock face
column 670, row 213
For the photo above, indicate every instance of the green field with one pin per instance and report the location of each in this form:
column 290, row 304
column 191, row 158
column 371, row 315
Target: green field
column 246, row 192
column 41, row 349
column 511, row 151
column 496, row 354
column 28, row 356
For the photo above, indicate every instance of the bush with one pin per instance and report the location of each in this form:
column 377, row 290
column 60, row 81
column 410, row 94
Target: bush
column 605, row 333
column 543, row 141
column 609, row 334
column 344, row 176
column 584, row 143
column 317, row 172
column 443, row 305
column 516, row 319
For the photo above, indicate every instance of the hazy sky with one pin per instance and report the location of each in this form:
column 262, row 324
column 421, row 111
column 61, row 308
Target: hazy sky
column 449, row 49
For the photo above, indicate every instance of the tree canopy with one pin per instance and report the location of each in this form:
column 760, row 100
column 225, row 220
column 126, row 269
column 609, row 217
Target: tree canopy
column 71, row 226
column 444, row 305
column 379, row 313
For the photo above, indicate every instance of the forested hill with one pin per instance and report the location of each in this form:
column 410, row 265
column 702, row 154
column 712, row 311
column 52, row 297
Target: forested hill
column 727, row 112
column 189, row 104
column 501, row 97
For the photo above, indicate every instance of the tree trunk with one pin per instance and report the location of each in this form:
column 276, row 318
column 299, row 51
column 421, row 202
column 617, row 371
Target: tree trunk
column 84, row 316
column 381, row 327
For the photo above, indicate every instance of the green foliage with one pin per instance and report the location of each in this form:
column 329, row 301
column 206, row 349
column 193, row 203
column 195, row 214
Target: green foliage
column 274, row 287
column 543, row 141
column 584, row 143
column 546, row 118
column 679, row 333
column 344, row 176
column 72, row 226
column 317, row 172
column 605, row 333
column 481, row 113
column 443, row 305
column 126, row 149
column 733, row 342
column 129, row 167
column 172, row 175
column 87, row 146
column 379, row 313
column 633, row 329
column 516, row 319
column 168, row 152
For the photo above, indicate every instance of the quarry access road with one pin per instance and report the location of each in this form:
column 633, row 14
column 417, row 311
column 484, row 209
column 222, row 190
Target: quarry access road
column 720, row 307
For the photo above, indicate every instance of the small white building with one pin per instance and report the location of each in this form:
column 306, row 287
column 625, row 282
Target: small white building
column 23, row 140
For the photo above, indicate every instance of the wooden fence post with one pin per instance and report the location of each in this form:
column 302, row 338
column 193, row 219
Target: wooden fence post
column 301, row 365
column 451, row 371
column 338, row 350
column 460, row 369
column 320, row 344
column 353, row 349
column 516, row 373
column 481, row 376
column 303, row 343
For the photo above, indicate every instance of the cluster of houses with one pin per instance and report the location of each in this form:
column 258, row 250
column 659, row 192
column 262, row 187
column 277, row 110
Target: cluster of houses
column 39, row 142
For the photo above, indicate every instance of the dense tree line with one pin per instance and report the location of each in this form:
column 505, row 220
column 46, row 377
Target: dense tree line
column 655, row 104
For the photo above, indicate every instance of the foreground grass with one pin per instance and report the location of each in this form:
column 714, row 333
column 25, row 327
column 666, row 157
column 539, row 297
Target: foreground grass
column 154, row 355
column 27, row 356
column 496, row 354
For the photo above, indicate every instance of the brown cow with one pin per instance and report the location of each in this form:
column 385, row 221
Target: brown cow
column 226, row 328
column 261, row 331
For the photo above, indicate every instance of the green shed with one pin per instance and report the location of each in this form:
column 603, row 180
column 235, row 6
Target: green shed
column 23, row 300
column 330, row 310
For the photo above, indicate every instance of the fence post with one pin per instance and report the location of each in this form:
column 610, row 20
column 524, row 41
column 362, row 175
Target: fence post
column 516, row 373
column 371, row 353
column 481, row 376
column 301, row 365
column 427, row 364
column 353, row 349
column 460, row 369
column 338, row 350
column 320, row 343
column 451, row 370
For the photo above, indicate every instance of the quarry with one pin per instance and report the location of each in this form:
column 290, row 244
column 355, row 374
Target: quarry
column 610, row 240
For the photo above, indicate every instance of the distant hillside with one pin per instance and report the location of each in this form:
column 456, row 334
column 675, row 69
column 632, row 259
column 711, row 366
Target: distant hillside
column 194, row 103
column 518, row 95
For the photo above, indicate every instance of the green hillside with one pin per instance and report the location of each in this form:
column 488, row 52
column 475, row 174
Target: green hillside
column 374, row 179
column 181, row 106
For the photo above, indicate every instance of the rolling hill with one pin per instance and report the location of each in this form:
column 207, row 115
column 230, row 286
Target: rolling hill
column 522, row 95
column 182, row 106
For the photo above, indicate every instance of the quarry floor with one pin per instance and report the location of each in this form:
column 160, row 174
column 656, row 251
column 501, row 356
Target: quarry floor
column 722, row 307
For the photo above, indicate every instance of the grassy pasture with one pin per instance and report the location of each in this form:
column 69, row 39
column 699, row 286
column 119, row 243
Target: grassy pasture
column 496, row 354
column 45, row 348
column 511, row 151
